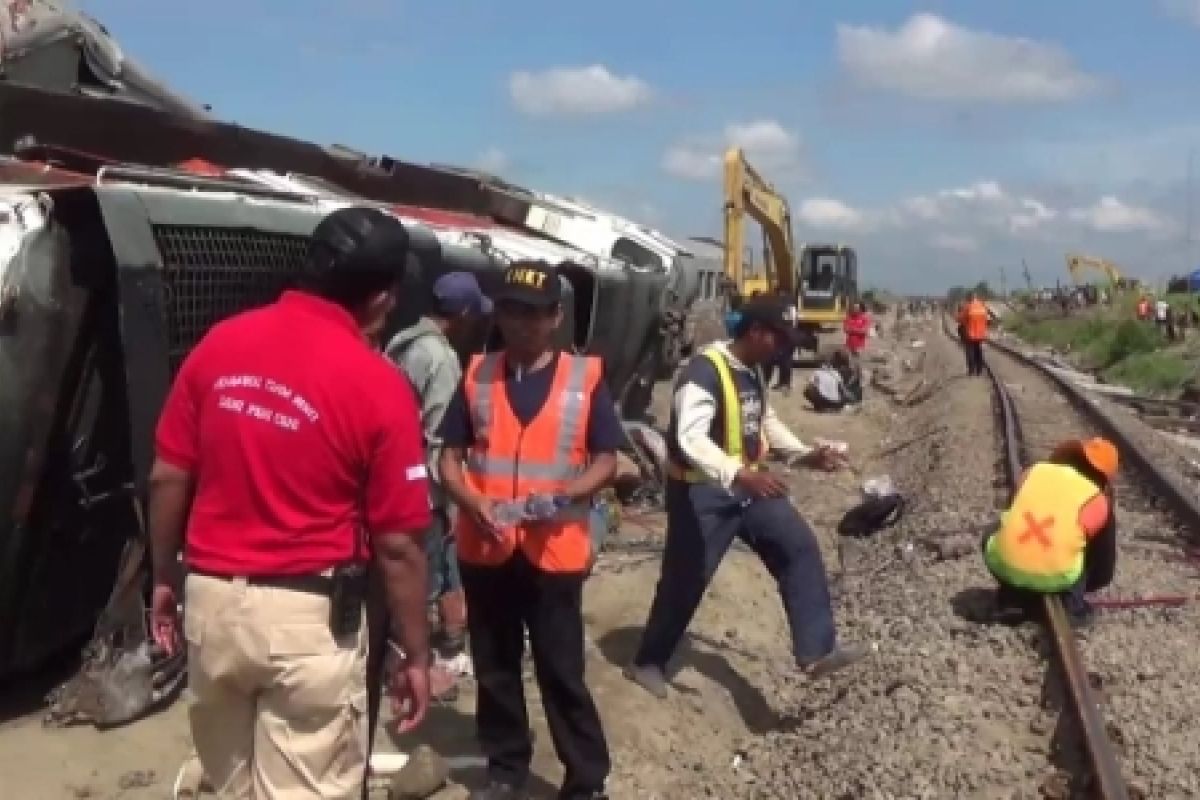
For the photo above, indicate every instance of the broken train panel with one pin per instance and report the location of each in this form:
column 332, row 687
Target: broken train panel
column 61, row 436
column 115, row 284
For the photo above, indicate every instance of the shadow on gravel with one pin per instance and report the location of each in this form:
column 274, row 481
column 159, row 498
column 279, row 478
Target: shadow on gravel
column 974, row 604
column 451, row 734
column 620, row 644
column 26, row 694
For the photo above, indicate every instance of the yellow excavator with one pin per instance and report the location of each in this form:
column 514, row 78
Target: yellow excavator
column 747, row 192
column 827, row 274
column 1078, row 262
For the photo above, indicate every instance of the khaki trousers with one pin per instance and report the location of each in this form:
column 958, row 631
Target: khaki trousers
column 279, row 707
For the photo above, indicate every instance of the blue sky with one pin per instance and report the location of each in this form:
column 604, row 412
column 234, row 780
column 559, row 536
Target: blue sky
column 944, row 139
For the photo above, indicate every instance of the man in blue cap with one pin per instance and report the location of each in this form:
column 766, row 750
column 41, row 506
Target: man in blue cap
column 425, row 353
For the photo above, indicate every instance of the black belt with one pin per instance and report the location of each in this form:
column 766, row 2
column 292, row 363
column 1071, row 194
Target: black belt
column 310, row 584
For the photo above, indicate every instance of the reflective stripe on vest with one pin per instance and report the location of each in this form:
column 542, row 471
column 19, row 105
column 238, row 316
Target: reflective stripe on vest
column 571, row 423
column 731, row 410
column 509, row 461
column 1042, row 537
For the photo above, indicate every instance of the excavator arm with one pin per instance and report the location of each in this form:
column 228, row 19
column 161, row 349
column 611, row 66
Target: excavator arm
column 1077, row 263
column 748, row 193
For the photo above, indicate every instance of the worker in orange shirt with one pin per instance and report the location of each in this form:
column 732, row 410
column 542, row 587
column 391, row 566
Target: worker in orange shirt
column 973, row 323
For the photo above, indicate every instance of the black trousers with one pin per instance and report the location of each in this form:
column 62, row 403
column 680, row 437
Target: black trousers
column 702, row 523
column 974, row 350
column 784, row 362
column 377, row 645
column 502, row 603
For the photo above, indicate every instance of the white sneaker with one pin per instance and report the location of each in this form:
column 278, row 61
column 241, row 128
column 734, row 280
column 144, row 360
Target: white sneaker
column 190, row 782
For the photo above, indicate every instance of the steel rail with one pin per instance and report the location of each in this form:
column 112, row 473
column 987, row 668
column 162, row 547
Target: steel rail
column 1110, row 783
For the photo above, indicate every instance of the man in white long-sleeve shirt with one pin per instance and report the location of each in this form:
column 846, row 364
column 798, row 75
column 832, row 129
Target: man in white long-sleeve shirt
column 719, row 489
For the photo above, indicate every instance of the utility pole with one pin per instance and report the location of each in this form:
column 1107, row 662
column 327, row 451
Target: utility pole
column 1190, row 244
column 1003, row 282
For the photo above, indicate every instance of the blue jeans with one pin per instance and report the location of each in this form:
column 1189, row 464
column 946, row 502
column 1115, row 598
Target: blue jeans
column 442, row 556
column 702, row 522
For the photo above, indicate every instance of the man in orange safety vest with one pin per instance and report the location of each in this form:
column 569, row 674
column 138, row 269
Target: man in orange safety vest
column 529, row 438
column 973, row 323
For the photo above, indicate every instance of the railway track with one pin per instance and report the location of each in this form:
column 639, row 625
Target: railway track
column 1130, row 651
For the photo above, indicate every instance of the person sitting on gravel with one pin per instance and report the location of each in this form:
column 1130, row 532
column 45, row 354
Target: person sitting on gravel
column 1059, row 535
column 718, row 489
column 827, row 389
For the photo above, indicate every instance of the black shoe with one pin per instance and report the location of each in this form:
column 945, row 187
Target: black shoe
column 1082, row 622
column 601, row 795
column 497, row 791
column 1081, row 614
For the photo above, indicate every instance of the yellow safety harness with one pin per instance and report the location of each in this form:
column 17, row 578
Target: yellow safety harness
column 731, row 407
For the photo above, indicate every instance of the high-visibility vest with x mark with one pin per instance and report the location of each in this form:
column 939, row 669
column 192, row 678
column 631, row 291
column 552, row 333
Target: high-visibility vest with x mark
column 509, row 460
column 1042, row 537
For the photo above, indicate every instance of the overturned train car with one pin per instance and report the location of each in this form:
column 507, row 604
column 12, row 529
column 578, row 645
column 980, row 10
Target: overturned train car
column 106, row 285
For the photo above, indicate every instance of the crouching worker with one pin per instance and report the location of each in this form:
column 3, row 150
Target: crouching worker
column 828, row 390
column 1059, row 536
column 718, row 489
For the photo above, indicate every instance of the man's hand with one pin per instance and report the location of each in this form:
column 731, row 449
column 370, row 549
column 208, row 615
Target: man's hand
column 410, row 695
column 480, row 510
column 823, row 458
column 760, row 483
column 164, row 618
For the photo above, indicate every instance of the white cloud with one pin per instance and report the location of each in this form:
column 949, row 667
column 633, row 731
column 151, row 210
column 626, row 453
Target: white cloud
column 691, row 161
column 1032, row 214
column 986, row 204
column 930, row 58
column 769, row 146
column 1110, row 215
column 825, row 212
column 955, row 243
column 493, row 160
column 577, row 91
column 1188, row 10
column 986, row 217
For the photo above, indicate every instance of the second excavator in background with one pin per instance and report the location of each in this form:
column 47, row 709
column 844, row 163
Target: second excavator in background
column 821, row 279
column 1078, row 262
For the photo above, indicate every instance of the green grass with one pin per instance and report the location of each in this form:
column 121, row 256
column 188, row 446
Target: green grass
column 1163, row 373
column 1123, row 350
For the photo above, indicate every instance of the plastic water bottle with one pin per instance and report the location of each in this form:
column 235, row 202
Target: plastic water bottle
column 534, row 508
column 508, row 513
column 544, row 506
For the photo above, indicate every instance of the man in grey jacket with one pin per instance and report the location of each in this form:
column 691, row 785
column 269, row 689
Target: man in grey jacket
column 425, row 352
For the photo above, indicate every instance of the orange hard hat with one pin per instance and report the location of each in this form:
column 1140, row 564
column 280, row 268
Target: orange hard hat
column 1099, row 452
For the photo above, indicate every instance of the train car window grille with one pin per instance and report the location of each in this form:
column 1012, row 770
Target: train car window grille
column 211, row 273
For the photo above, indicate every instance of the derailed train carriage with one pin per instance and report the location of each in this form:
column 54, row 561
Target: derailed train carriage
column 107, row 283
column 115, row 257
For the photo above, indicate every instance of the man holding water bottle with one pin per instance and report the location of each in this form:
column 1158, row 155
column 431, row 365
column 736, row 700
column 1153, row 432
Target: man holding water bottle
column 718, row 488
column 530, row 437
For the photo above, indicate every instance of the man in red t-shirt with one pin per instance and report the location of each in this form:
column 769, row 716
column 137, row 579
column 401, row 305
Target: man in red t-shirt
column 857, row 327
column 291, row 453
